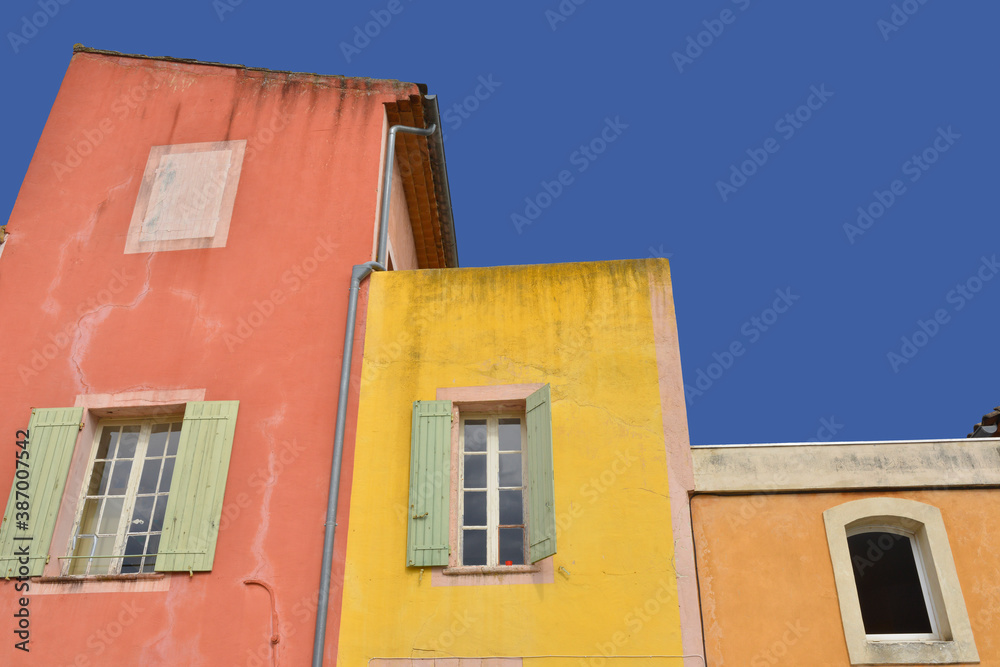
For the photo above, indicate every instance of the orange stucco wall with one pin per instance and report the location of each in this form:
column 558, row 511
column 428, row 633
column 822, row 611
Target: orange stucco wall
column 260, row 321
column 767, row 583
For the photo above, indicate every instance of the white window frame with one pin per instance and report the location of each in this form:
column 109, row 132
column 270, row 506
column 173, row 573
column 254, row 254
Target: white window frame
column 492, row 488
column 925, row 590
column 146, row 426
column 954, row 642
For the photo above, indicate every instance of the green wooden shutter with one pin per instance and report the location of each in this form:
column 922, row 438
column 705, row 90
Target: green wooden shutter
column 427, row 534
column 194, row 506
column 541, row 484
column 52, row 435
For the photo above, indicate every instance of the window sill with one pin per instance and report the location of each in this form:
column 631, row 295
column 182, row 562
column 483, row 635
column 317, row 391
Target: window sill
column 77, row 579
column 483, row 569
column 917, row 652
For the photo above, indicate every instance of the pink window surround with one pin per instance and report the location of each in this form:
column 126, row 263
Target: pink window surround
column 96, row 407
column 494, row 398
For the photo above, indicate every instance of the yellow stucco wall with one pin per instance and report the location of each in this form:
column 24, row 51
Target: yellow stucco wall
column 587, row 330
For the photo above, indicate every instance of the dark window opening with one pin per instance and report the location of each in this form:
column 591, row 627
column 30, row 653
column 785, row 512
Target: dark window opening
column 889, row 590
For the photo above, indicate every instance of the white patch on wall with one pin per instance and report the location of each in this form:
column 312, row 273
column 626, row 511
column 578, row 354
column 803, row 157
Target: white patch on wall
column 186, row 198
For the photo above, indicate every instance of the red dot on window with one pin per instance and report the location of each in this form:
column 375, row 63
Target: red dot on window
column 510, row 562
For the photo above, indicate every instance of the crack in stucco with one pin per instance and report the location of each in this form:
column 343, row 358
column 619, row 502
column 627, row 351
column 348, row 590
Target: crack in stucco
column 50, row 305
column 257, row 546
column 85, row 329
column 212, row 326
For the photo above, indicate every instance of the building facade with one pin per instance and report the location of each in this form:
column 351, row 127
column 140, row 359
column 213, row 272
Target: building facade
column 848, row 553
column 502, row 475
column 521, row 444
column 174, row 292
column 188, row 250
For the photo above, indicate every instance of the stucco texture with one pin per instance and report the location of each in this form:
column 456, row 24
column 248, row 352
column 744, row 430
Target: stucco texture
column 767, row 581
column 587, row 330
column 260, row 320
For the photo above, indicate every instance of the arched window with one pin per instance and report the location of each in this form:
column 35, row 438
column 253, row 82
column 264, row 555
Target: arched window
column 891, row 579
column 898, row 589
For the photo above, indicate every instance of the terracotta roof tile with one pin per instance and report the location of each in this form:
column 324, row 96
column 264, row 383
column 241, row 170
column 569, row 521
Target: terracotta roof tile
column 989, row 427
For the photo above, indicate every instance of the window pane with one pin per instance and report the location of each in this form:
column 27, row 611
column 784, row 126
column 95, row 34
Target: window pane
column 510, row 508
column 83, row 547
column 99, row 479
column 512, row 546
column 135, row 546
column 105, row 547
column 158, row 440
column 475, row 471
column 475, row 508
column 158, row 514
column 141, row 514
column 119, row 479
column 474, row 547
column 892, row 601
column 475, row 435
column 510, row 469
column 106, row 448
column 129, row 439
column 150, row 475
column 112, row 515
column 168, row 473
column 510, row 435
column 88, row 521
column 175, row 437
column 151, row 548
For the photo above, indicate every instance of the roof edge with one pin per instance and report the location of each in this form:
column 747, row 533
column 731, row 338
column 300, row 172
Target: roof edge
column 80, row 48
column 924, row 464
column 440, row 168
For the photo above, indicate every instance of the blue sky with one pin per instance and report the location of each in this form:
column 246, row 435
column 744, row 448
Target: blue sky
column 821, row 175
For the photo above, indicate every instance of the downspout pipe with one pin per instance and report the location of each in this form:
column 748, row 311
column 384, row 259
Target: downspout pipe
column 358, row 273
column 383, row 236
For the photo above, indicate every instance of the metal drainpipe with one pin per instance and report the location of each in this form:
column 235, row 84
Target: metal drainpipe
column 383, row 232
column 358, row 273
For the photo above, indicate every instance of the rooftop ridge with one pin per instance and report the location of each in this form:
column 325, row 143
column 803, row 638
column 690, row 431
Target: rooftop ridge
column 80, row 48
